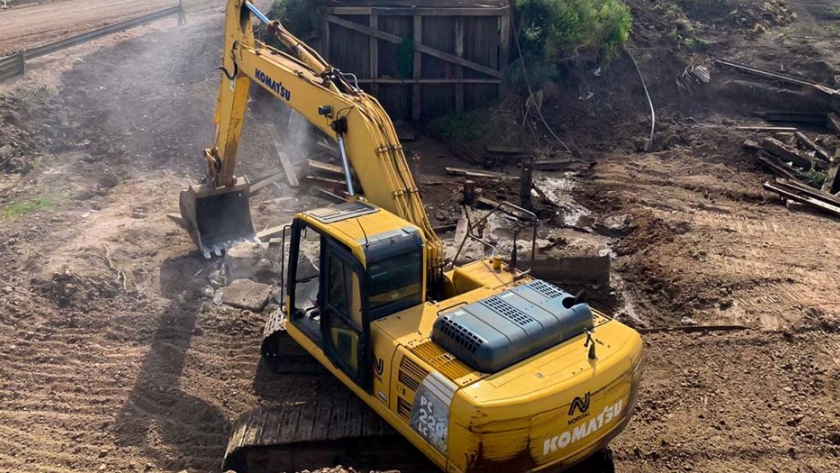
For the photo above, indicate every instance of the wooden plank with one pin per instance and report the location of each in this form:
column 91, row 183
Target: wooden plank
column 778, row 168
column 325, row 194
column 479, row 173
column 802, row 138
column 272, row 232
column 265, row 181
column 779, row 77
column 284, row 160
column 336, row 185
column 805, row 188
column 418, row 46
column 419, row 11
column 326, row 167
column 785, row 152
column 766, row 128
column 512, row 150
column 416, row 90
column 374, row 52
column 459, row 70
column 834, row 122
column 832, row 209
column 328, row 148
column 443, row 81
column 488, row 202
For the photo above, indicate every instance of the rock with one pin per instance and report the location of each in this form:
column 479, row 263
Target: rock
column 614, row 225
column 6, row 152
column 138, row 213
column 103, row 453
column 208, row 292
column 85, row 195
column 251, row 261
column 109, row 180
column 687, row 321
column 246, row 294
column 726, row 304
column 8, row 289
column 217, row 279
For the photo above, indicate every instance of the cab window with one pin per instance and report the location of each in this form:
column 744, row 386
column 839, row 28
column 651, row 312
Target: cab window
column 395, row 283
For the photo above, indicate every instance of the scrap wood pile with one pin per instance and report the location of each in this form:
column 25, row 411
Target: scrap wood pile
column 806, row 173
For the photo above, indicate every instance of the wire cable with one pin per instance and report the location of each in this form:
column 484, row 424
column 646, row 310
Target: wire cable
column 531, row 95
column 649, row 146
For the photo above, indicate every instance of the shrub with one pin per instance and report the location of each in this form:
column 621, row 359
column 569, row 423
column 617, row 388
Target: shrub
column 549, row 27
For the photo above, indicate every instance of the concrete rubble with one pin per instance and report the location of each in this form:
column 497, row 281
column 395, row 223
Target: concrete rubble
column 246, row 294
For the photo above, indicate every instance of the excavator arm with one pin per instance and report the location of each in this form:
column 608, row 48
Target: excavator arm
column 309, row 85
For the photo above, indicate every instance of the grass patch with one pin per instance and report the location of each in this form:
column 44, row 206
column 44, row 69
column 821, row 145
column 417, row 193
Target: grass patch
column 815, row 178
column 21, row 208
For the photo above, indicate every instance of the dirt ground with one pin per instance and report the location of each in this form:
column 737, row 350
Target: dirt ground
column 113, row 358
column 32, row 24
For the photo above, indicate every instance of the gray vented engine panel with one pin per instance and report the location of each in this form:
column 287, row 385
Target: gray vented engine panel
column 497, row 332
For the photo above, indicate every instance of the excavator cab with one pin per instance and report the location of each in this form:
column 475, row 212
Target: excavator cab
column 218, row 217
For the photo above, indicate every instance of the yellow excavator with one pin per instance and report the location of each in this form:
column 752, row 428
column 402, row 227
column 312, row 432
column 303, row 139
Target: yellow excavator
column 481, row 367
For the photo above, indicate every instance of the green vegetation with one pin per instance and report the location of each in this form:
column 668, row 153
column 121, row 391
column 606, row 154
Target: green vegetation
column 458, row 127
column 696, row 44
column 21, row 208
column 552, row 29
column 815, row 178
column 297, row 16
column 548, row 27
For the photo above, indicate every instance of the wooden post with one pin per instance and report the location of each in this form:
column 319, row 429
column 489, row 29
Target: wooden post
column 469, row 192
column 417, row 96
column 504, row 46
column 374, row 53
column 527, row 182
column 21, row 57
column 182, row 16
column 459, row 70
column 325, row 37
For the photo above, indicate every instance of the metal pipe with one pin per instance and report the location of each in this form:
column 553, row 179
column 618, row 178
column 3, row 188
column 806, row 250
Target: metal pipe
column 257, row 13
column 346, row 164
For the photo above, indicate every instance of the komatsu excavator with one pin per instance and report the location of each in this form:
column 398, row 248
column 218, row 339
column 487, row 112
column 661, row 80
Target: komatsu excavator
column 482, row 368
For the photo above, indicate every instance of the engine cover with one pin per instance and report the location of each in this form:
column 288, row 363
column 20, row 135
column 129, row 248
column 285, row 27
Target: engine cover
column 499, row 331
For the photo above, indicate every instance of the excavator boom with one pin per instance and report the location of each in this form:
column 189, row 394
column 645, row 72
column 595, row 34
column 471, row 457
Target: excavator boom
column 309, row 85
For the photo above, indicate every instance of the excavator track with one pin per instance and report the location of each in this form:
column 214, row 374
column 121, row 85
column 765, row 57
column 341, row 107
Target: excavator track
column 334, row 429
column 281, row 353
column 321, row 433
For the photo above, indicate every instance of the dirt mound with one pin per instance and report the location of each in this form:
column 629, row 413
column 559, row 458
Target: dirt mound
column 738, row 15
column 68, row 289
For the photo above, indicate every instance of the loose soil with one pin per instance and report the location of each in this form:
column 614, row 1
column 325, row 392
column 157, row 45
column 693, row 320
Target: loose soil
column 114, row 358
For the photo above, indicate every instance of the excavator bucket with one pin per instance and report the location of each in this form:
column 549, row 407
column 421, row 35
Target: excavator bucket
column 218, row 217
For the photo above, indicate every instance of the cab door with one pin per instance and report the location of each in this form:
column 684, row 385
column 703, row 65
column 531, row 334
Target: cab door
column 346, row 332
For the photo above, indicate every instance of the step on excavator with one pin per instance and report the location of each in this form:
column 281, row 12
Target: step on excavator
column 481, row 368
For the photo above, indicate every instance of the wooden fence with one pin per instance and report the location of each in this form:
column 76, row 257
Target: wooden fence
column 15, row 64
column 457, row 54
